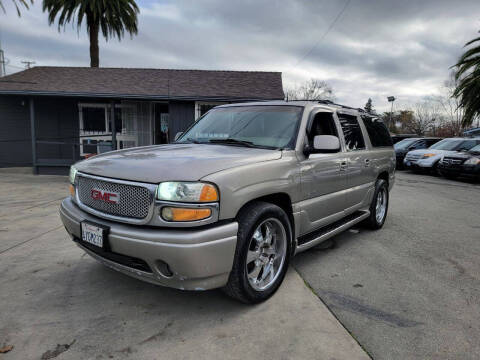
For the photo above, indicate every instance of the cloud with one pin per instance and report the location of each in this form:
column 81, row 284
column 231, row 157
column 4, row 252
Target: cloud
column 376, row 49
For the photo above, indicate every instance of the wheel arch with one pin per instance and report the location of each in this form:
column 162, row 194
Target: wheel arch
column 280, row 199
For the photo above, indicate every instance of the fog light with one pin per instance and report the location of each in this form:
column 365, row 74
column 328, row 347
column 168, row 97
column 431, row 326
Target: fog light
column 185, row 214
column 164, row 269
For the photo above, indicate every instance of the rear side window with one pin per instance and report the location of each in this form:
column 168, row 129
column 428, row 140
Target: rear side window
column 378, row 132
column 352, row 132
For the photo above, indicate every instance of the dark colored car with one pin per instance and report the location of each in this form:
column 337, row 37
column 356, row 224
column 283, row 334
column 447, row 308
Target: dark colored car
column 406, row 145
column 399, row 137
column 461, row 164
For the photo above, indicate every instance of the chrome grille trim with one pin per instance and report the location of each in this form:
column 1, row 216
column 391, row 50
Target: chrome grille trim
column 132, row 212
column 453, row 161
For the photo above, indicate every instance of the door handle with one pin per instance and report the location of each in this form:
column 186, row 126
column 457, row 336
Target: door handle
column 343, row 166
column 367, row 162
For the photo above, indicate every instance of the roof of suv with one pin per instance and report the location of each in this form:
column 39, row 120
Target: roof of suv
column 303, row 103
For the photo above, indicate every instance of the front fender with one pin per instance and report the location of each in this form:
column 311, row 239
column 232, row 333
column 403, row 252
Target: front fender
column 242, row 184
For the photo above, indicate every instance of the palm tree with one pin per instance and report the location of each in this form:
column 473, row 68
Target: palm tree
column 113, row 17
column 468, row 76
column 22, row 2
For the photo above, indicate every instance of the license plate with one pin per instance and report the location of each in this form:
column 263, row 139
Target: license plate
column 93, row 234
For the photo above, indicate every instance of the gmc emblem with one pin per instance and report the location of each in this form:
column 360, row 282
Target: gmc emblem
column 108, row 197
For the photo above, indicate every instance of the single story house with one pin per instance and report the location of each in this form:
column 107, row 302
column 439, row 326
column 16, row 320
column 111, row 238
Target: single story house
column 51, row 117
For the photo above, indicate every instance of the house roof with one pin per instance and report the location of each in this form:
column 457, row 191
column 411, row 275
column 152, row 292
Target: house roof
column 145, row 83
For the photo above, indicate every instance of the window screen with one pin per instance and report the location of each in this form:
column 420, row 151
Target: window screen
column 352, row 132
column 378, row 132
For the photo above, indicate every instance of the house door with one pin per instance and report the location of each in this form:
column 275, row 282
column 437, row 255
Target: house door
column 161, row 118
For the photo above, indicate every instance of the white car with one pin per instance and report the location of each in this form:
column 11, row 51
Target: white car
column 427, row 159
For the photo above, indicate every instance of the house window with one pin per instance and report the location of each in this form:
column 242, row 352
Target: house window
column 96, row 132
column 202, row 107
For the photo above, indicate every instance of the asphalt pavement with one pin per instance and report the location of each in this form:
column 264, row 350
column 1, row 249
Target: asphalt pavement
column 412, row 289
column 58, row 303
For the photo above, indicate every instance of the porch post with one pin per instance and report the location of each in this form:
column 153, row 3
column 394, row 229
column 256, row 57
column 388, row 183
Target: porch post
column 112, row 125
column 34, row 138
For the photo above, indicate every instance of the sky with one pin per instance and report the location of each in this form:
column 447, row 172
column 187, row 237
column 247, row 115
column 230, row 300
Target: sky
column 362, row 48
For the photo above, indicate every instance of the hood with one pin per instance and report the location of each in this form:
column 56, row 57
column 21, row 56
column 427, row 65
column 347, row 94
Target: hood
column 460, row 155
column 187, row 162
column 430, row 151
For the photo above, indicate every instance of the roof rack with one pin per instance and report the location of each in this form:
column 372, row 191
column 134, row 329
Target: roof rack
column 330, row 102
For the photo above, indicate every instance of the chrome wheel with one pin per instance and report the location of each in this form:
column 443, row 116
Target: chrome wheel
column 266, row 254
column 381, row 205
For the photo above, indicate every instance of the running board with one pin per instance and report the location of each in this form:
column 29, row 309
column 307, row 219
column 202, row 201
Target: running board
column 307, row 241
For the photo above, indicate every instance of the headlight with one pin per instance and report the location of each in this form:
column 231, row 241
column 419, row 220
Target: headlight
column 428, row 155
column 73, row 174
column 187, row 192
column 472, row 161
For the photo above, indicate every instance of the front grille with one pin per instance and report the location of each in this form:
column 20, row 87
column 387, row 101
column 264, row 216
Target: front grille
column 453, row 161
column 133, row 201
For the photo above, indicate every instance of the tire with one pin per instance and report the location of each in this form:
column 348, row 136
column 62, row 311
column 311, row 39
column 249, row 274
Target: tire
column 255, row 249
column 375, row 222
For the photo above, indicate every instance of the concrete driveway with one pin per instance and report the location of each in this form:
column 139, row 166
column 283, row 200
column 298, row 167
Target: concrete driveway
column 411, row 290
column 56, row 302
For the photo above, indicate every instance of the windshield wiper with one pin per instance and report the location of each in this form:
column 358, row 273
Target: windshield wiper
column 194, row 141
column 245, row 143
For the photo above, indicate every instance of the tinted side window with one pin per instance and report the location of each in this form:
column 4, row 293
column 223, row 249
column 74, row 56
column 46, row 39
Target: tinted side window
column 352, row 132
column 322, row 124
column 378, row 132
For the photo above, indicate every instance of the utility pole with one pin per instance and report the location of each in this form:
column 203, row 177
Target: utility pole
column 391, row 99
column 2, row 63
column 28, row 64
column 2, row 59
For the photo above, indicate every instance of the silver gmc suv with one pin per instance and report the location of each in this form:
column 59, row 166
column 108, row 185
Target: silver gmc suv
column 228, row 204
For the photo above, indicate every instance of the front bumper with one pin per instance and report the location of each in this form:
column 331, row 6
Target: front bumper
column 199, row 259
column 461, row 170
column 417, row 164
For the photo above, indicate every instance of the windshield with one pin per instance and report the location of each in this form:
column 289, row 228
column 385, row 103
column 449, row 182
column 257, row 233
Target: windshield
column 475, row 149
column 272, row 127
column 454, row 144
column 401, row 145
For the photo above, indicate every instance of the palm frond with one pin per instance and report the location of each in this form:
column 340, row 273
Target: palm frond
column 16, row 3
column 467, row 90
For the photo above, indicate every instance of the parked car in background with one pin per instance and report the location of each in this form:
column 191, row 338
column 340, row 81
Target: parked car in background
column 404, row 146
column 241, row 191
column 426, row 160
column 461, row 164
column 399, row 137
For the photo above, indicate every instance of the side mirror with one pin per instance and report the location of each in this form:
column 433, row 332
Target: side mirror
column 177, row 135
column 323, row 144
column 326, row 143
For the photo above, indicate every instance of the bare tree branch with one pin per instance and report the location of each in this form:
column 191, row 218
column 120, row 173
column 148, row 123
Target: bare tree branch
column 313, row 89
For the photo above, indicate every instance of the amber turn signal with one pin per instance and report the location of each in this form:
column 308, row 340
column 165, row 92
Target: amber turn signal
column 185, row 214
column 72, row 190
column 208, row 193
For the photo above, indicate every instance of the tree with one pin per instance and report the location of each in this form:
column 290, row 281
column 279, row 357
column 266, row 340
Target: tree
column 16, row 3
column 369, row 106
column 112, row 17
column 312, row 89
column 426, row 114
column 468, row 77
column 451, row 108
